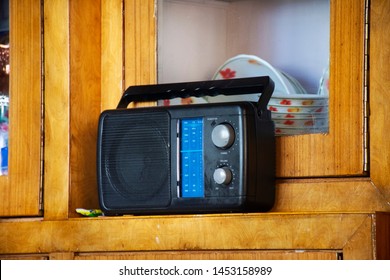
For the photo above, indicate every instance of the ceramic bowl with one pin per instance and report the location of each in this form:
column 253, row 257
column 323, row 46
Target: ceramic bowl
column 299, row 114
column 298, row 100
column 276, row 115
column 298, row 109
column 293, row 110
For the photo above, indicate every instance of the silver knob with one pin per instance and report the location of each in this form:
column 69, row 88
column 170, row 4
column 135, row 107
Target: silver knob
column 223, row 176
column 223, row 136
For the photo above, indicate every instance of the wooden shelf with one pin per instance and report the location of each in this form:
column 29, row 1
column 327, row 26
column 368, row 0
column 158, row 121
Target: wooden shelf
column 349, row 233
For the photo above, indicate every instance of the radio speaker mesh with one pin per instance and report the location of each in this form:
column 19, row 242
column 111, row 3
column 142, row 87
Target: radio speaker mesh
column 135, row 160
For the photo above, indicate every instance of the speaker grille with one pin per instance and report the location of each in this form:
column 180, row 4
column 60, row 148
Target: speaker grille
column 135, row 160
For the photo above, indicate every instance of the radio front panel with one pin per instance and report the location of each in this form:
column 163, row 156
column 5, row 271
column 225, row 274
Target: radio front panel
column 209, row 156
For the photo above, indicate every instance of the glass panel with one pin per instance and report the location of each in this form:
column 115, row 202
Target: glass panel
column 287, row 40
column 4, row 84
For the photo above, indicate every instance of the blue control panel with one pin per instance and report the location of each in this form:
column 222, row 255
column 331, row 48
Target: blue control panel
column 191, row 157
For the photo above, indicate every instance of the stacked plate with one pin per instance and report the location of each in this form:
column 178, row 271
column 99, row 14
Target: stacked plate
column 294, row 111
column 299, row 114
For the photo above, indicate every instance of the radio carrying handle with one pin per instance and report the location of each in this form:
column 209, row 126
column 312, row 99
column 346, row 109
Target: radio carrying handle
column 263, row 85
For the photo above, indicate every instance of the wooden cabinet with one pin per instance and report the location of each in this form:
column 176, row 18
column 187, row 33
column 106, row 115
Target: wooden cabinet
column 329, row 204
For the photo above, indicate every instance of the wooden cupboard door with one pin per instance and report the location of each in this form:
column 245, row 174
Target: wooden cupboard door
column 342, row 150
column 20, row 190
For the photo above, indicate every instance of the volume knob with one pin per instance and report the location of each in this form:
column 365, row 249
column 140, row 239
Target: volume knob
column 223, row 176
column 223, row 136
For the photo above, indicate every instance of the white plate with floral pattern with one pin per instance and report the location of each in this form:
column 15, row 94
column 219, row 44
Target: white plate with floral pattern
column 243, row 65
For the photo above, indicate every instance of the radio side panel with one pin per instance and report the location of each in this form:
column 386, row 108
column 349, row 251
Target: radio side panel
column 265, row 163
column 260, row 163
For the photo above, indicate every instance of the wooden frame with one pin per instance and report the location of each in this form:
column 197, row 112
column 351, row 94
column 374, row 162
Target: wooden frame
column 25, row 113
column 350, row 233
column 57, row 114
column 379, row 94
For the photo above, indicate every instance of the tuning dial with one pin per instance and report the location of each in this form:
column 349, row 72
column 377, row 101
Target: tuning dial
column 223, row 136
column 223, row 176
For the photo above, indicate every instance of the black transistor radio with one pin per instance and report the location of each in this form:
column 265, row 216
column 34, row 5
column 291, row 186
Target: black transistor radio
column 201, row 158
